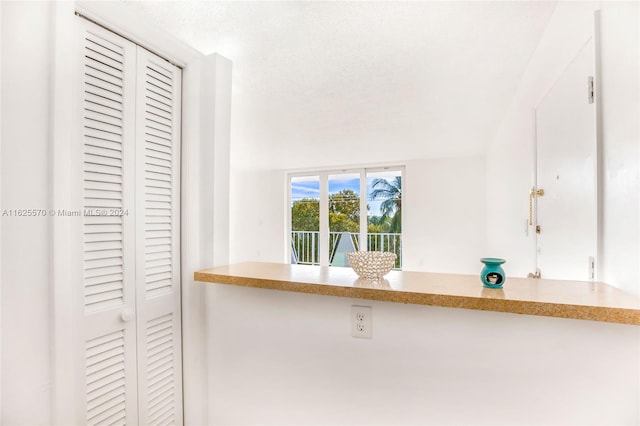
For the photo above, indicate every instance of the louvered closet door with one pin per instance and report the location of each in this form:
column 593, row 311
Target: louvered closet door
column 158, row 239
column 108, row 185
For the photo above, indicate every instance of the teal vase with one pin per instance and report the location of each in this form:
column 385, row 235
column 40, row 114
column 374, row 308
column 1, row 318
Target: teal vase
column 492, row 275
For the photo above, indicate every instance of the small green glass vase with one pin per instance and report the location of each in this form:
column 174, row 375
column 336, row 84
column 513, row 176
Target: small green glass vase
column 492, row 275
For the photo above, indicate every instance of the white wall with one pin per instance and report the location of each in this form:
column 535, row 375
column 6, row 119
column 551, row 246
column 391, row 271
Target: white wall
column 257, row 221
column 213, row 209
column 25, row 281
column 444, row 215
column 621, row 136
column 512, row 148
column 288, row 359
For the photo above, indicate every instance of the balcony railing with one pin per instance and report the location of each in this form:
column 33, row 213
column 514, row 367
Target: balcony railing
column 305, row 245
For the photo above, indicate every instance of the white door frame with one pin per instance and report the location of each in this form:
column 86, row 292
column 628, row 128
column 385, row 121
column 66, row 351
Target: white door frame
column 64, row 121
column 0, row 231
column 598, row 151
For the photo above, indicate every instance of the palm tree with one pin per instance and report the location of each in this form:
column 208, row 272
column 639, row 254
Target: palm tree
column 391, row 207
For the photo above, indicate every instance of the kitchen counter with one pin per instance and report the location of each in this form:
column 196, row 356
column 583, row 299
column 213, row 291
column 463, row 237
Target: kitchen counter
column 584, row 300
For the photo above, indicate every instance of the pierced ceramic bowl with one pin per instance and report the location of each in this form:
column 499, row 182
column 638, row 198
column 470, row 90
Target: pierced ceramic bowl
column 371, row 264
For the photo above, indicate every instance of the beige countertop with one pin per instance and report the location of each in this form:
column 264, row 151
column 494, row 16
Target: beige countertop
column 584, row 300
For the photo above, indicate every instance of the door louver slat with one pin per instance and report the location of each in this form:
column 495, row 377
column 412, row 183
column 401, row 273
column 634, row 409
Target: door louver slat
column 153, row 118
column 97, row 71
column 93, row 105
column 103, row 186
column 96, row 39
column 160, row 146
column 102, row 288
column 104, row 262
column 159, row 72
column 92, row 133
column 103, row 171
column 98, row 55
column 107, row 82
column 103, row 117
column 115, row 164
column 154, row 160
column 155, row 183
column 108, row 107
column 158, row 135
column 160, row 369
column 102, row 92
column 158, row 173
column 161, row 170
column 102, row 254
column 158, row 94
column 94, row 64
column 102, row 279
column 158, row 108
column 153, row 153
column 105, row 365
column 160, row 83
column 96, row 148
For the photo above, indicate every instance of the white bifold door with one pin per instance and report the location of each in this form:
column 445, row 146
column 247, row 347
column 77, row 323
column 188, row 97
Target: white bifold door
column 130, row 286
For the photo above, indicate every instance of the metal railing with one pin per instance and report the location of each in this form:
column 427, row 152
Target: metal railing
column 305, row 248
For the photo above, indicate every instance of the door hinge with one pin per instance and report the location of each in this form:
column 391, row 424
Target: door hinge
column 535, row 275
column 590, row 89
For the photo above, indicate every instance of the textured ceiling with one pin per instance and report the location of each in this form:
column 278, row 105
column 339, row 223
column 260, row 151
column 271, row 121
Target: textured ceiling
column 428, row 78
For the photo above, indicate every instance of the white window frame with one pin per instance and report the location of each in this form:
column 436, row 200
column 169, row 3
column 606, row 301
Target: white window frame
column 323, row 175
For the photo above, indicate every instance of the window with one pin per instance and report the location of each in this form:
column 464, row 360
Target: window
column 334, row 212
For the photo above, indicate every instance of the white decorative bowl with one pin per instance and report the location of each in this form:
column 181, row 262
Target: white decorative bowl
column 371, row 264
column 380, row 283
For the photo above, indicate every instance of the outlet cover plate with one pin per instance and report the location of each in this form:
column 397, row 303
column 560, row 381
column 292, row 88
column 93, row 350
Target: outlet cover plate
column 361, row 322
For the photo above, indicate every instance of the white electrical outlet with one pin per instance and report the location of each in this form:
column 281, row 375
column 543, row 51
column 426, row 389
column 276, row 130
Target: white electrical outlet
column 361, row 322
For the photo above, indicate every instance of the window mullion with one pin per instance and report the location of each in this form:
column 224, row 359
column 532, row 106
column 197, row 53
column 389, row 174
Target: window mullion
column 324, row 220
column 363, row 211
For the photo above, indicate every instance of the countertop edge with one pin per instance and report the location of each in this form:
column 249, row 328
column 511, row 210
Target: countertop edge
column 523, row 307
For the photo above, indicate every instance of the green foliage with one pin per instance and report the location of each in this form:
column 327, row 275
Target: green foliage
column 344, row 211
column 378, row 224
column 344, row 216
column 391, row 207
column 305, row 215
